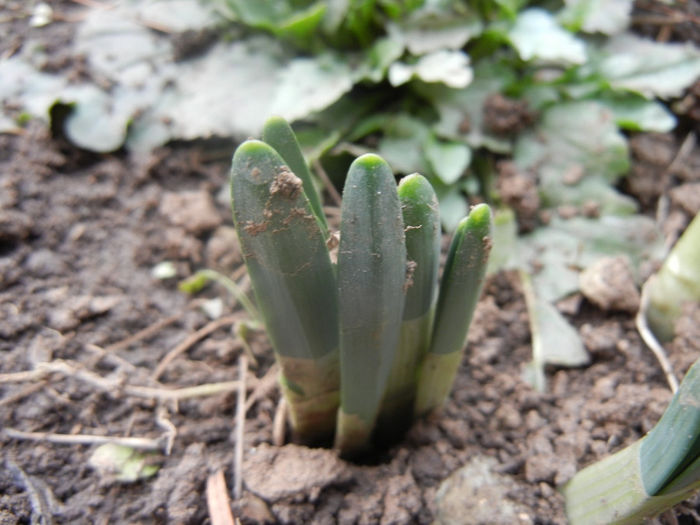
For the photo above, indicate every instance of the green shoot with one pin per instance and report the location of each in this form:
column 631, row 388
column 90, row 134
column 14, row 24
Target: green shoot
column 358, row 352
column 462, row 280
column 371, row 277
column 648, row 477
column 279, row 134
column 421, row 218
column 677, row 282
column 294, row 283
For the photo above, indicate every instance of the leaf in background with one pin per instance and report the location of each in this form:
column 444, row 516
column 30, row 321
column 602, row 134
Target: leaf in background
column 636, row 113
column 449, row 67
column 553, row 254
column 597, row 16
column 310, row 84
column 282, row 18
column 654, row 69
column 426, row 32
column 577, row 137
column 554, row 340
column 461, row 110
column 537, row 36
column 453, row 208
column 98, row 121
column 24, row 87
column 179, row 15
column 402, row 144
column 384, row 52
column 121, row 49
column 225, row 92
column 505, row 238
column 449, row 160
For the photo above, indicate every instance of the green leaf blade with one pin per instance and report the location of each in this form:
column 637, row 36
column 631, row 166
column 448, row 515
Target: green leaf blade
column 293, row 280
column 371, row 275
column 463, row 278
column 421, row 218
column 674, row 443
column 279, row 134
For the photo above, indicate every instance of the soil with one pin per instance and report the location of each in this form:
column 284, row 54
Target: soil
column 84, row 322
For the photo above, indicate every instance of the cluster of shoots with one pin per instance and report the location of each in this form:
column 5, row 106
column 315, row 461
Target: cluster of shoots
column 365, row 341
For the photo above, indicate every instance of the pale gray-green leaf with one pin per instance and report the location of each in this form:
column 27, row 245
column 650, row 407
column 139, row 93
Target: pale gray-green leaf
column 554, row 254
column 654, row 69
column 449, row 160
column 460, row 111
column 97, row 122
column 402, row 144
column 306, row 85
column 424, row 34
column 179, row 15
column 597, row 16
column 453, row 208
column 448, row 67
column 639, row 114
column 537, row 36
column 578, row 152
column 24, row 87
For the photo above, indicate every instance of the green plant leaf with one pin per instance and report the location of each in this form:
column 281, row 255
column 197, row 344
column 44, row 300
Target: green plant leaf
column 597, row 16
column 577, row 137
column 306, row 85
column 282, row 18
column 371, row 278
column 279, row 134
column 460, row 287
column 402, row 144
column 429, row 30
column 449, row 160
column 447, row 67
column 555, row 253
column 653, row 69
column 636, row 113
column 554, row 340
column 460, row 111
column 122, row 463
column 676, row 283
column 453, row 208
column 537, row 36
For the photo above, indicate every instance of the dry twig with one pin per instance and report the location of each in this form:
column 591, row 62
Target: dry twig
column 240, row 423
column 218, row 501
column 143, row 334
column 279, row 423
column 318, row 168
column 85, row 439
column 43, row 502
column 116, row 387
column 650, row 339
column 191, row 340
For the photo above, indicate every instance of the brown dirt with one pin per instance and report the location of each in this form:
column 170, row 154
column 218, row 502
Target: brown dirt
column 79, row 237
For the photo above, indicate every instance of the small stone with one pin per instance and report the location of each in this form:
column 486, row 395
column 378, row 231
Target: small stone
column 275, row 473
column 223, row 251
column 192, row 210
column 468, row 496
column 609, row 284
column 45, row 263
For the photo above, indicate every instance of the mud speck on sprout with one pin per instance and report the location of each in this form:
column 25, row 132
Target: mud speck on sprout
column 286, row 184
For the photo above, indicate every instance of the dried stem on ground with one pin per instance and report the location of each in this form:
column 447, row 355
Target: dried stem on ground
column 240, row 424
column 192, row 339
column 218, row 500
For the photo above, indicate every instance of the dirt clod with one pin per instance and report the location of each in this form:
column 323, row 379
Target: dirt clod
column 286, row 184
column 609, row 284
column 192, row 210
column 275, row 473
